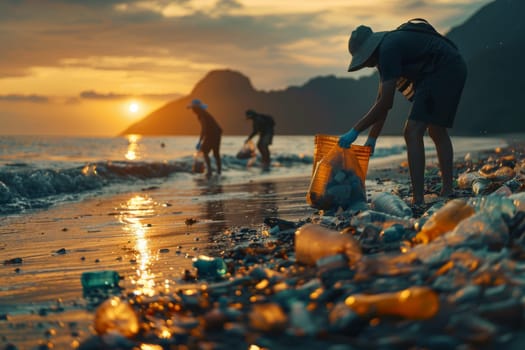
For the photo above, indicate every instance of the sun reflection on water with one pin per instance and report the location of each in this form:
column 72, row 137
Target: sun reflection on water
column 132, row 214
column 133, row 147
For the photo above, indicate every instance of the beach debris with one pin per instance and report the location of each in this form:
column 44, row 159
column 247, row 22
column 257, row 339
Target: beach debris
column 190, row 221
column 96, row 279
column 417, row 303
column 444, row 220
column 210, row 267
column 313, row 241
column 354, row 280
column 13, row 261
column 115, row 318
column 60, row 251
column 391, row 204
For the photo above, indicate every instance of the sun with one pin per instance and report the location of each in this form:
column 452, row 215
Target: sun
column 133, row 107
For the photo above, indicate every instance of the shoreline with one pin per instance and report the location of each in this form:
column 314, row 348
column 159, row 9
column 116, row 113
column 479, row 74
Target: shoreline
column 109, row 233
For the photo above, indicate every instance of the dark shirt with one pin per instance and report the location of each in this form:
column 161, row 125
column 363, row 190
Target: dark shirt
column 413, row 55
column 209, row 126
column 262, row 124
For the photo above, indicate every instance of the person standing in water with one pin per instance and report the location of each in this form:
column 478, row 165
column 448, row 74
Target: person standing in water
column 264, row 126
column 210, row 136
column 429, row 71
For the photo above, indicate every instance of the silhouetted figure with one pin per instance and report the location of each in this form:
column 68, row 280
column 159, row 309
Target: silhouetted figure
column 430, row 72
column 210, row 137
column 264, row 126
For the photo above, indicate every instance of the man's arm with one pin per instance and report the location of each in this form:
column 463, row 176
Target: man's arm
column 376, row 116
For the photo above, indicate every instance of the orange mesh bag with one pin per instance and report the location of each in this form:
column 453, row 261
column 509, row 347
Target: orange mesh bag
column 338, row 178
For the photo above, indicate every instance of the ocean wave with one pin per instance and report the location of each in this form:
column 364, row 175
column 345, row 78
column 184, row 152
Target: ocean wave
column 23, row 187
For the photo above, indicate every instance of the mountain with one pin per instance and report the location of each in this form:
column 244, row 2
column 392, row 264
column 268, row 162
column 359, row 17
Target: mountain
column 492, row 42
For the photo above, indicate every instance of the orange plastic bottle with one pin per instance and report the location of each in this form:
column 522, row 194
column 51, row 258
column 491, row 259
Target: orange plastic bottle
column 444, row 220
column 313, row 241
column 416, row 303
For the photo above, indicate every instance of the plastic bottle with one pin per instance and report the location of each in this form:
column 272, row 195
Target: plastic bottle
column 116, row 316
column 313, row 241
column 268, row 317
column 444, row 220
column 379, row 218
column 390, row 204
column 210, row 267
column 100, row 279
column 416, row 303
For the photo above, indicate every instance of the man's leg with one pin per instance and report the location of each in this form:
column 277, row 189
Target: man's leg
column 445, row 153
column 207, row 161
column 217, row 156
column 414, row 132
column 262, row 145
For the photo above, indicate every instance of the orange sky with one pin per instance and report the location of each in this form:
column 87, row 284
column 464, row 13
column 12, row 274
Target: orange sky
column 73, row 67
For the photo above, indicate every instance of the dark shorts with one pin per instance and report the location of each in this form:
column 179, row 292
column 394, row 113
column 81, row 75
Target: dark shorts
column 211, row 143
column 265, row 139
column 437, row 96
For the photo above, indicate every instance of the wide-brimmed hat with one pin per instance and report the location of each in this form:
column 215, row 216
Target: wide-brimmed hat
column 361, row 45
column 197, row 103
column 249, row 113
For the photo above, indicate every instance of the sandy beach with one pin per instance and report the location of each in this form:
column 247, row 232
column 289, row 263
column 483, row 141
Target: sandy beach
column 150, row 237
column 144, row 236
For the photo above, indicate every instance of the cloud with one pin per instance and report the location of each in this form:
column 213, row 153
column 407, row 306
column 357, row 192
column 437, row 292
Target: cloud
column 24, row 98
column 93, row 95
column 274, row 42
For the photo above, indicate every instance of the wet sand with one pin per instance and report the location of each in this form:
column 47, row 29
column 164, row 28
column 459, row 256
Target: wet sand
column 149, row 237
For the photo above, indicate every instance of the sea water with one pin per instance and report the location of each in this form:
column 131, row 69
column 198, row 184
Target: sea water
column 40, row 171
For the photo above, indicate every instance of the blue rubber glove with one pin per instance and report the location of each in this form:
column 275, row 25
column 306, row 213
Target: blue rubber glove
column 198, row 146
column 371, row 142
column 347, row 139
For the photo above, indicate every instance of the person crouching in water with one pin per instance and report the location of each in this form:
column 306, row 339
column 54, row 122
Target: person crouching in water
column 264, row 126
column 210, row 137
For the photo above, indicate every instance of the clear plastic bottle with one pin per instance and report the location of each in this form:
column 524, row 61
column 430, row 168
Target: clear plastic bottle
column 380, row 219
column 416, row 303
column 444, row 220
column 313, row 241
column 390, row 204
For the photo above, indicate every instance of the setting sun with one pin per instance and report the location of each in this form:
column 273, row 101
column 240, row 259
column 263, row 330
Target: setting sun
column 133, row 107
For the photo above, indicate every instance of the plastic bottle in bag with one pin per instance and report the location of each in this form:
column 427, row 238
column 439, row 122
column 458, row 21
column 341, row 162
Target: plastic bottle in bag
column 416, row 303
column 313, row 241
column 390, row 204
column 444, row 220
column 198, row 166
column 338, row 179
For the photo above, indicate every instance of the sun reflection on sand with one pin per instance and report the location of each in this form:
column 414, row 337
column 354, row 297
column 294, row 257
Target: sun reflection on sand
column 132, row 215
